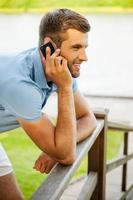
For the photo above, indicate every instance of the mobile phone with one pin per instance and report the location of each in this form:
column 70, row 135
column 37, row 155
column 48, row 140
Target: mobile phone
column 44, row 46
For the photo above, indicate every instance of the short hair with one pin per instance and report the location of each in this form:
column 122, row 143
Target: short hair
column 53, row 24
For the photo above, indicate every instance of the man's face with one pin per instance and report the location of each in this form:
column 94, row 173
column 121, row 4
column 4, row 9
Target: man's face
column 73, row 49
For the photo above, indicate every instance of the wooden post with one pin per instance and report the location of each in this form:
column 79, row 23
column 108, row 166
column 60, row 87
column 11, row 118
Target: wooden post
column 97, row 160
column 124, row 170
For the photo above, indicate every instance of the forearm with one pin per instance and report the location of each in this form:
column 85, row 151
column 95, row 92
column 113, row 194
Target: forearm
column 85, row 126
column 65, row 131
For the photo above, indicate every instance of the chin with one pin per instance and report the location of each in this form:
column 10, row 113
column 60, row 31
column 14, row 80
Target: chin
column 75, row 75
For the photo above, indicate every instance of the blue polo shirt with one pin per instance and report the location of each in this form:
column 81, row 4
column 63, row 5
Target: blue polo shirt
column 24, row 89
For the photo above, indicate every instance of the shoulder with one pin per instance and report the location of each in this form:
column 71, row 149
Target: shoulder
column 23, row 99
column 14, row 68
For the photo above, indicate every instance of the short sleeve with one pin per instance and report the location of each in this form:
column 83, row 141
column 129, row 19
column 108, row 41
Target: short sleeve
column 23, row 100
column 74, row 85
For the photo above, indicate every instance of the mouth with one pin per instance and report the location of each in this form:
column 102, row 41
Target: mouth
column 77, row 66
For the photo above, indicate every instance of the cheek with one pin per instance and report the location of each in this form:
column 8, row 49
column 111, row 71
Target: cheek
column 68, row 56
column 71, row 56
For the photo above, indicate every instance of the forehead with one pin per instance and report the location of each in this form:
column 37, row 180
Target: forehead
column 75, row 37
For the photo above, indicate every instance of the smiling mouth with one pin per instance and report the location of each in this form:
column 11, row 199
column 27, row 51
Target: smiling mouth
column 77, row 66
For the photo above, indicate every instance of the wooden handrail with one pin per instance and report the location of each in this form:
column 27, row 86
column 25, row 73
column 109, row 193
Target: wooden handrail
column 89, row 186
column 125, row 128
column 110, row 96
column 94, row 187
column 119, row 126
column 96, row 162
column 100, row 112
column 118, row 162
column 56, row 182
column 130, row 189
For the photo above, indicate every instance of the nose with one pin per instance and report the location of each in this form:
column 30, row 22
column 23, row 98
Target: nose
column 83, row 56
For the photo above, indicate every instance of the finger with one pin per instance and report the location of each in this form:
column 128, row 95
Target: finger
column 64, row 62
column 56, row 53
column 58, row 60
column 49, row 167
column 44, row 60
column 37, row 165
column 50, row 58
column 48, row 52
column 43, row 168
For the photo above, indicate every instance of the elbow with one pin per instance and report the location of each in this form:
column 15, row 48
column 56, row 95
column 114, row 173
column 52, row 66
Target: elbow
column 66, row 153
column 94, row 124
column 69, row 157
column 68, row 161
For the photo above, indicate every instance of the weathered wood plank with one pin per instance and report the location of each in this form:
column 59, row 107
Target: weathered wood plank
column 124, row 168
column 110, row 96
column 130, row 193
column 130, row 190
column 97, row 161
column 100, row 113
column 88, row 187
column 56, row 182
column 120, row 126
column 118, row 162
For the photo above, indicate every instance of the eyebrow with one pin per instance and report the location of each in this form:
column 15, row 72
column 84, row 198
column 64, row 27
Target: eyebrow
column 78, row 46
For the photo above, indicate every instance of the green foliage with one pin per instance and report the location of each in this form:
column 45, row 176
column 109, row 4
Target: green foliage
column 23, row 153
column 27, row 4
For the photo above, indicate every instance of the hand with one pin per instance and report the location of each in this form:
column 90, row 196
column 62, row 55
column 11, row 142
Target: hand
column 44, row 163
column 56, row 69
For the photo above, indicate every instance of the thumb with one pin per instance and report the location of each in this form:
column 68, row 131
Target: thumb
column 64, row 62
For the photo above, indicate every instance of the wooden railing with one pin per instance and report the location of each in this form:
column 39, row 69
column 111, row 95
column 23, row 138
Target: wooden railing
column 123, row 159
column 95, row 146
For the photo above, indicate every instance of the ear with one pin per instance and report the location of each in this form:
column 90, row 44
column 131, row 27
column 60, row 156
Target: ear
column 47, row 39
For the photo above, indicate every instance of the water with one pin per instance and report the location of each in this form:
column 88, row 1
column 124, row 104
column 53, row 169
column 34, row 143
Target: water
column 110, row 66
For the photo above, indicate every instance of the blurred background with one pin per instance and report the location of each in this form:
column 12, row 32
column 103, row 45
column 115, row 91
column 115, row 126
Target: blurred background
column 106, row 79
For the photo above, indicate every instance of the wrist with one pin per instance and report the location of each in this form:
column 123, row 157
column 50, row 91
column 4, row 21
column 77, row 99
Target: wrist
column 65, row 88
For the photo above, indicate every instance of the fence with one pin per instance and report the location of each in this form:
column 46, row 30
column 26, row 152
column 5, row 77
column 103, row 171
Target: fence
column 94, row 187
column 123, row 159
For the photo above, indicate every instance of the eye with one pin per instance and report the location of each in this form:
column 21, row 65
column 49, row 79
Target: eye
column 75, row 48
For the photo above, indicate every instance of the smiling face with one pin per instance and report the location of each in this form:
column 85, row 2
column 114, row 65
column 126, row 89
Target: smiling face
column 73, row 49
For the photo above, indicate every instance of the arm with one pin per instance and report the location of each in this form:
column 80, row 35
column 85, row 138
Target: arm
column 85, row 119
column 59, row 142
column 86, row 122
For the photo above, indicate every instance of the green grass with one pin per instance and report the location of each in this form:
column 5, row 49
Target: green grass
column 56, row 3
column 26, row 5
column 22, row 152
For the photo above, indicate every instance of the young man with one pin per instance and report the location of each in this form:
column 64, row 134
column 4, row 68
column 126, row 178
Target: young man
column 26, row 81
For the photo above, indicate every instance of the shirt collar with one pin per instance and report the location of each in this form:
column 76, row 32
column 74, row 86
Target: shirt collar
column 39, row 74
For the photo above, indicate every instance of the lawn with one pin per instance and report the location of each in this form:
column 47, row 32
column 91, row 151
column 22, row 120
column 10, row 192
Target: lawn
column 68, row 3
column 27, row 5
column 23, row 153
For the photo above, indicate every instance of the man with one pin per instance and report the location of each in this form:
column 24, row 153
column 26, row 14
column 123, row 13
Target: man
column 26, row 81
